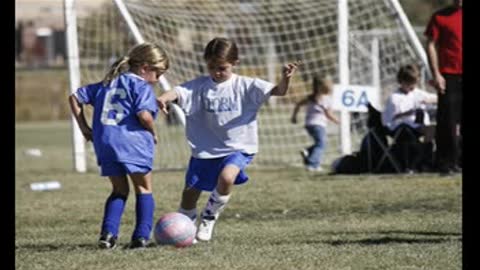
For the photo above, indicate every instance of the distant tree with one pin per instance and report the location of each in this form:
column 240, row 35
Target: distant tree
column 419, row 12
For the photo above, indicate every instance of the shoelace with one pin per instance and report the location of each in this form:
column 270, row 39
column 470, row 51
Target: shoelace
column 206, row 224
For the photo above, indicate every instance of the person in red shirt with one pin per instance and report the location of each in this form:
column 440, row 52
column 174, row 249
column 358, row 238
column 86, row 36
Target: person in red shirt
column 444, row 50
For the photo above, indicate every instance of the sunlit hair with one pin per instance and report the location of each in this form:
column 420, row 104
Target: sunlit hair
column 221, row 50
column 321, row 86
column 146, row 53
column 408, row 74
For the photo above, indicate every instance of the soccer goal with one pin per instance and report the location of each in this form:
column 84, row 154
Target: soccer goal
column 357, row 42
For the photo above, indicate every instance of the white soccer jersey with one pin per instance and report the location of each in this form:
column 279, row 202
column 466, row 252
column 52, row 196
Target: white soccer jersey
column 221, row 118
column 315, row 112
column 400, row 102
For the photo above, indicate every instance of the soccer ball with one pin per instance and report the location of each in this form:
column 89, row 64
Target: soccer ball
column 175, row 229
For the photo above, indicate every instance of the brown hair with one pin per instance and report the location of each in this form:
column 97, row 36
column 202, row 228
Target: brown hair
column 145, row 53
column 408, row 74
column 321, row 86
column 221, row 50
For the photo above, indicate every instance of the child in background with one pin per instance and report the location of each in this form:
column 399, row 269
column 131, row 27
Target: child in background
column 316, row 118
column 405, row 117
column 221, row 128
column 124, row 137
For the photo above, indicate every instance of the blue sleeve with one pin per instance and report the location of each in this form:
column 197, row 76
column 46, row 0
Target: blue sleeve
column 145, row 100
column 86, row 94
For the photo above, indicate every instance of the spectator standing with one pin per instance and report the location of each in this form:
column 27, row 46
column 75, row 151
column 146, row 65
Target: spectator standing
column 444, row 50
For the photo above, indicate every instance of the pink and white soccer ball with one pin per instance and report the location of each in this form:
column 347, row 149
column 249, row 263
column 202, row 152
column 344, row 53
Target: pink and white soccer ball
column 175, row 229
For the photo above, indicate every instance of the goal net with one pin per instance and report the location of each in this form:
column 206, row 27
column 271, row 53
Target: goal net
column 268, row 33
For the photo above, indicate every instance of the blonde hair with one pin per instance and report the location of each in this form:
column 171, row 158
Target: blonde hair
column 145, row 53
column 321, row 86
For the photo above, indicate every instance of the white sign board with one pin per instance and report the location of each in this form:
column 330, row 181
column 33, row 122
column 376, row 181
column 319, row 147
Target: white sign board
column 354, row 98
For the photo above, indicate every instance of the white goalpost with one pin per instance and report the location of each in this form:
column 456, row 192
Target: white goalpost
column 79, row 155
column 360, row 43
column 139, row 39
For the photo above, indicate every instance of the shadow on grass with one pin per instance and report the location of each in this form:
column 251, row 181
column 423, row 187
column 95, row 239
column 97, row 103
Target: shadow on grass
column 388, row 240
column 370, row 238
column 412, row 238
column 54, row 247
column 73, row 247
column 424, row 233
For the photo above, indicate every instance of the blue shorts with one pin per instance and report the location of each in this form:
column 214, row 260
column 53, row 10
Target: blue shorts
column 202, row 174
column 120, row 168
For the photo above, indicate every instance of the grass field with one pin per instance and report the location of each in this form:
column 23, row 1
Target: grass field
column 281, row 219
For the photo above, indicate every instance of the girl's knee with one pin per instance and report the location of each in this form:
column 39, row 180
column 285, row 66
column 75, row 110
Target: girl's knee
column 227, row 180
column 121, row 190
column 123, row 194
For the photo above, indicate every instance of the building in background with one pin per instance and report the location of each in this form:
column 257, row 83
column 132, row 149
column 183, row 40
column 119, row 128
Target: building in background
column 40, row 32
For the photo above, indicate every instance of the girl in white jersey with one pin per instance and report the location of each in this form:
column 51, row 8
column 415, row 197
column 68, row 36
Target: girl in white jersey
column 318, row 112
column 221, row 128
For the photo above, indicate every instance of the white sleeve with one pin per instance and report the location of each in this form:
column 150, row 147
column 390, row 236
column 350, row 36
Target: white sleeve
column 388, row 113
column 425, row 96
column 431, row 97
column 259, row 91
column 327, row 102
column 184, row 98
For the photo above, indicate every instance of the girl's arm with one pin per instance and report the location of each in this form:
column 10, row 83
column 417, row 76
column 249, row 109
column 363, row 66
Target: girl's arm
column 78, row 112
column 403, row 114
column 287, row 72
column 297, row 108
column 329, row 114
column 165, row 98
column 431, row 99
column 147, row 121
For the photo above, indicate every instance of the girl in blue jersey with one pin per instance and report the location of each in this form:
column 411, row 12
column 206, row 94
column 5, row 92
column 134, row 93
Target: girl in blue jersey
column 124, row 137
column 221, row 128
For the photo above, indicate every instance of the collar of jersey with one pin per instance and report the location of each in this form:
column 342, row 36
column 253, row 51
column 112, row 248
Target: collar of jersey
column 134, row 75
column 217, row 84
column 401, row 92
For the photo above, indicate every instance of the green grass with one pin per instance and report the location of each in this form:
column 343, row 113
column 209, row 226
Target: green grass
column 282, row 218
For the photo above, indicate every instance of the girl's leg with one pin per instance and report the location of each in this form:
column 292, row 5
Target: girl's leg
column 188, row 205
column 217, row 201
column 113, row 210
column 144, row 206
column 221, row 194
column 226, row 179
column 319, row 136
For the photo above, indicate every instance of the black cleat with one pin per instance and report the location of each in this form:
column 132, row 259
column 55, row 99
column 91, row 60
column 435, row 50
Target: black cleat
column 107, row 241
column 138, row 243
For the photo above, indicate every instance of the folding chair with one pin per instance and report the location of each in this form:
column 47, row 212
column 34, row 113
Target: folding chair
column 376, row 141
column 388, row 153
column 409, row 139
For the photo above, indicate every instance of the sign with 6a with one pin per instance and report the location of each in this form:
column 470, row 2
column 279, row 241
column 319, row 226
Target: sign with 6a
column 354, row 98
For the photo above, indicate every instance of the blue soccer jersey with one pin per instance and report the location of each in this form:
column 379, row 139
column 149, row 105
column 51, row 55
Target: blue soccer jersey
column 118, row 135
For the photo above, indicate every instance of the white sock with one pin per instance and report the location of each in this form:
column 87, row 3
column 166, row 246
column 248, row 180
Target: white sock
column 215, row 204
column 192, row 213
